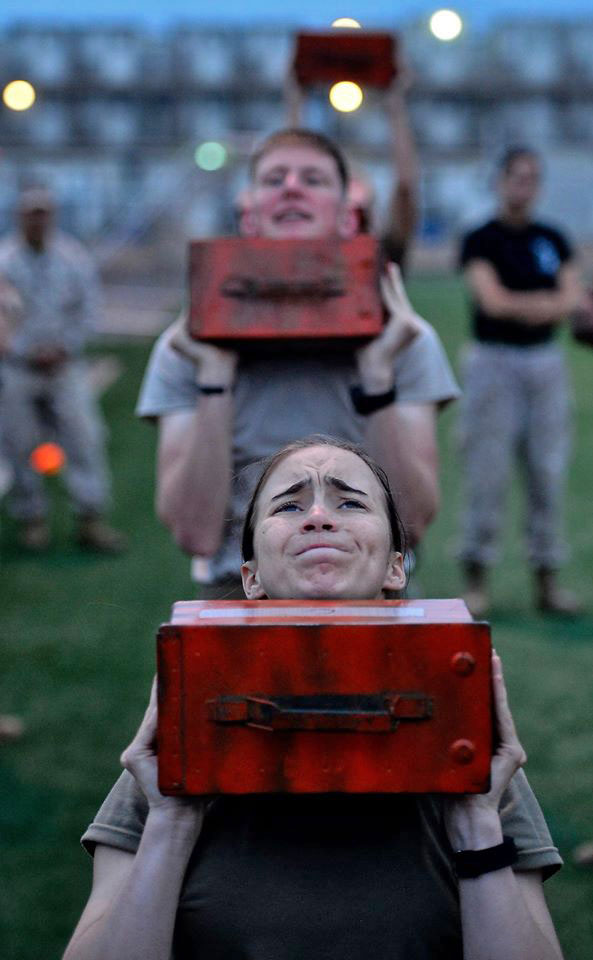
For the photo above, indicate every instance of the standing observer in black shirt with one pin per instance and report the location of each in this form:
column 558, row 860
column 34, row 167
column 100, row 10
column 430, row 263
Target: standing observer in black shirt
column 523, row 283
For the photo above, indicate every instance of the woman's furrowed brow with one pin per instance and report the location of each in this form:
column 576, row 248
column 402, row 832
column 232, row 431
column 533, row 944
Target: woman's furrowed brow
column 306, row 482
column 294, row 488
column 342, row 485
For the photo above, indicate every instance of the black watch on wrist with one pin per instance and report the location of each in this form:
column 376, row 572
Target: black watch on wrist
column 470, row 864
column 209, row 390
column 366, row 403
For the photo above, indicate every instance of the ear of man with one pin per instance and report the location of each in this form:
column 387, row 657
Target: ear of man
column 347, row 222
column 248, row 226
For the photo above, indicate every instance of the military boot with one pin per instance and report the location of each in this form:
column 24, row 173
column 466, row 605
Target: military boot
column 552, row 598
column 476, row 592
column 95, row 534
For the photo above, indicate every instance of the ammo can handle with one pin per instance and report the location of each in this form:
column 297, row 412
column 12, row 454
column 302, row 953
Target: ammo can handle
column 239, row 287
column 330, row 712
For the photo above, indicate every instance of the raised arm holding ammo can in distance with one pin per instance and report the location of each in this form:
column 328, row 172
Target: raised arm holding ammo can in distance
column 377, row 60
column 396, row 228
column 219, row 413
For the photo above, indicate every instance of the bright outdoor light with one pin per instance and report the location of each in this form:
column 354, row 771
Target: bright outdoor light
column 18, row 95
column 210, row 155
column 346, row 22
column 345, row 96
column 446, row 24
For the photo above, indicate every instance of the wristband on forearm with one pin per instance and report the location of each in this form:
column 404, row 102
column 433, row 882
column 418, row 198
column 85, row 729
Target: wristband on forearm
column 209, row 391
column 366, row 403
column 473, row 863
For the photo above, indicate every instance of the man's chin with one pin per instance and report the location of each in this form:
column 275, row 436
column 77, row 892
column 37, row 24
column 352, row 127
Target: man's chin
column 297, row 230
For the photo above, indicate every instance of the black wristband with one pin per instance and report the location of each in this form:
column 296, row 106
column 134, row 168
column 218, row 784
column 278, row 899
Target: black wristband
column 473, row 863
column 209, row 391
column 365, row 403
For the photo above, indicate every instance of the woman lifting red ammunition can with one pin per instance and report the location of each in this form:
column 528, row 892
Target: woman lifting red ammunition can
column 285, row 876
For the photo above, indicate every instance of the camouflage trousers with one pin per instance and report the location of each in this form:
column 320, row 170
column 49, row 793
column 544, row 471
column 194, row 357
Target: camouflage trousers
column 515, row 407
column 36, row 407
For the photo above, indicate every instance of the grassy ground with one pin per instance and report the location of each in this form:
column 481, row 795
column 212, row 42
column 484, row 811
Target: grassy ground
column 77, row 647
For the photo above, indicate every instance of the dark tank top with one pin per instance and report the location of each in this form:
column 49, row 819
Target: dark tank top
column 321, row 877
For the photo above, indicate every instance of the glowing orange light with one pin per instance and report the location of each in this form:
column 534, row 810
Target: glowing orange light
column 47, row 458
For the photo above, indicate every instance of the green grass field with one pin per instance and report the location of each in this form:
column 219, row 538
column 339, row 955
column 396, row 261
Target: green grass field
column 77, row 653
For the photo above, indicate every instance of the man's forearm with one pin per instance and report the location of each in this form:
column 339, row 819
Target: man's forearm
column 401, row 436
column 403, row 204
column 533, row 307
column 536, row 308
column 393, row 439
column 194, row 474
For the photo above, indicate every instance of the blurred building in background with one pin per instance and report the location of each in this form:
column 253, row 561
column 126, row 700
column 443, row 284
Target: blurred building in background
column 120, row 113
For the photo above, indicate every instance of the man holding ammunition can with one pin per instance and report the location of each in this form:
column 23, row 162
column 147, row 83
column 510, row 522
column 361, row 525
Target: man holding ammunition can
column 220, row 414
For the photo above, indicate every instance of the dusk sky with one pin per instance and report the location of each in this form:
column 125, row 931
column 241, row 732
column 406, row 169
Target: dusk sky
column 310, row 12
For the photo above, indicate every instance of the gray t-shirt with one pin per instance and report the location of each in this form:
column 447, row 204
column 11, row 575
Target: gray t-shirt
column 338, row 877
column 279, row 399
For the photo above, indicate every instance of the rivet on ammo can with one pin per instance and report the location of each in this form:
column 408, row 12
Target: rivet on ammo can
column 462, row 751
column 463, row 663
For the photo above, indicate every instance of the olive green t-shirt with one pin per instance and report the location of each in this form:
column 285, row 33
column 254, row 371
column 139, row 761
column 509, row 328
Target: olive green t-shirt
column 334, row 877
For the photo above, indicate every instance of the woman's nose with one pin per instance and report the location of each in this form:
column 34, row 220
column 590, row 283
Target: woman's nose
column 318, row 518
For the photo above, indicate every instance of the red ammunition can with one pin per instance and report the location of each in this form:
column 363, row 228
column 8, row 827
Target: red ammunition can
column 322, row 696
column 256, row 290
column 363, row 57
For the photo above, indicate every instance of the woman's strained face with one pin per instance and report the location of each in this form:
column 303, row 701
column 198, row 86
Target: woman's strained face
column 321, row 531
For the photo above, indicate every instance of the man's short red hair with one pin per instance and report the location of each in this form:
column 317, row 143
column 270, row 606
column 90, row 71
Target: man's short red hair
column 301, row 137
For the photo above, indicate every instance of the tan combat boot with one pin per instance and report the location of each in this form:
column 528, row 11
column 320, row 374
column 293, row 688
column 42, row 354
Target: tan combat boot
column 95, row 534
column 34, row 535
column 476, row 592
column 551, row 598
column 11, row 727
